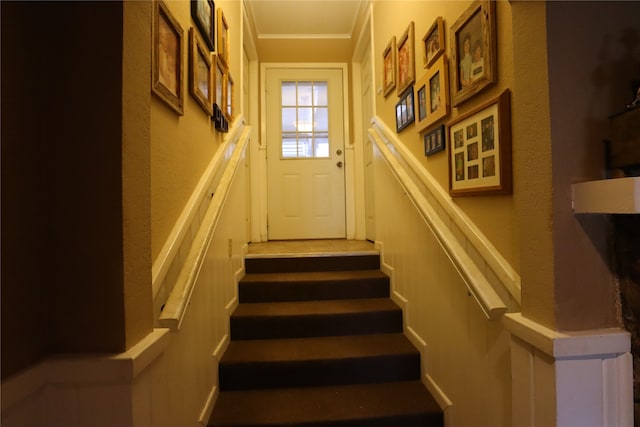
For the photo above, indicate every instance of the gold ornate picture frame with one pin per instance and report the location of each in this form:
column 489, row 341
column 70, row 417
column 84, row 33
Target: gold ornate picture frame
column 167, row 74
column 389, row 67
column 200, row 75
column 473, row 51
column 433, row 43
column 223, row 38
column 406, row 60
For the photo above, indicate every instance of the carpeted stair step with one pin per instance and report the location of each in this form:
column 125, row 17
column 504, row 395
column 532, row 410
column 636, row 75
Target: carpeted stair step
column 300, row 286
column 313, row 362
column 315, row 318
column 398, row 404
column 312, row 263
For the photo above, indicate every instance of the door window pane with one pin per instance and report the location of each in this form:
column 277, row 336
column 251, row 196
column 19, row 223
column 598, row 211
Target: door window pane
column 305, row 119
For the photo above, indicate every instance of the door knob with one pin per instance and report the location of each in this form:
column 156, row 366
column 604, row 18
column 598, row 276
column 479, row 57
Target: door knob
column 339, row 152
column 339, row 164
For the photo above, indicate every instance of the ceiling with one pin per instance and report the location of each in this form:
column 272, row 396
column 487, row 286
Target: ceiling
column 299, row 29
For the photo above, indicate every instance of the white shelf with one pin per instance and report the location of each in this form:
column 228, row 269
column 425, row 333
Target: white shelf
column 612, row 196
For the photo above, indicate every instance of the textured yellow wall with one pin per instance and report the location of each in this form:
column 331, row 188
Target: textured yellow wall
column 495, row 215
column 183, row 146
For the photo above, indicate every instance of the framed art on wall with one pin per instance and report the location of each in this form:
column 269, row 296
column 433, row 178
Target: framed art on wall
column 229, row 96
column 202, row 12
column 200, row 75
column 389, row 67
column 434, row 140
column 405, row 113
column 223, row 38
column 167, row 68
column 406, row 60
column 219, row 101
column 432, row 94
column 433, row 43
column 480, row 150
column 473, row 51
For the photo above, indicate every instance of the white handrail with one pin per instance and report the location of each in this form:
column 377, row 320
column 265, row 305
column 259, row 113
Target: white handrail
column 486, row 296
column 178, row 301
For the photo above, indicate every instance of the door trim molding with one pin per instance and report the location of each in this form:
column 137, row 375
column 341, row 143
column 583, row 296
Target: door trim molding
column 261, row 168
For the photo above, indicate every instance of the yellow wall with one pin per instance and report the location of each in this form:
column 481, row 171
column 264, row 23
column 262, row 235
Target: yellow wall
column 495, row 215
column 182, row 147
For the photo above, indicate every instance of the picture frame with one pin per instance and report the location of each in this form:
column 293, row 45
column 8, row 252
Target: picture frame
column 389, row 67
column 480, row 150
column 406, row 60
column 434, row 140
column 473, row 51
column 433, row 42
column 203, row 14
column 223, row 38
column 432, row 95
column 405, row 112
column 167, row 53
column 200, row 73
column 219, row 70
column 229, row 110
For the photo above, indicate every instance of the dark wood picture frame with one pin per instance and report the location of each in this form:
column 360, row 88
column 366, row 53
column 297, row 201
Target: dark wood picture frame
column 203, row 14
column 433, row 43
column 434, row 140
column 405, row 110
column 473, row 51
column 480, row 149
column 200, row 75
column 167, row 58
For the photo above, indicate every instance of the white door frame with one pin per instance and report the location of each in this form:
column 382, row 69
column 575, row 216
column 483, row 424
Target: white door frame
column 259, row 171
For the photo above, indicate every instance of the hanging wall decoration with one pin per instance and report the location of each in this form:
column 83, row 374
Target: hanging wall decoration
column 434, row 140
column 202, row 12
column 200, row 75
column 167, row 68
column 480, row 150
column 389, row 67
column 473, row 51
column 223, row 38
column 406, row 60
column 433, row 43
column 405, row 112
column 219, row 101
column 432, row 95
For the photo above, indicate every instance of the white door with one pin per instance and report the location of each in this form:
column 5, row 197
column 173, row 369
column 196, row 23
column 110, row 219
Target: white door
column 305, row 153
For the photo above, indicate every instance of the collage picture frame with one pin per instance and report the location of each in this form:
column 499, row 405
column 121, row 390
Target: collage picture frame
column 480, row 150
column 432, row 95
column 405, row 111
column 435, row 140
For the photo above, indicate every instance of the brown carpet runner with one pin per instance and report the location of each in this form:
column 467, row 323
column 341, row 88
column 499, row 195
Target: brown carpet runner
column 316, row 341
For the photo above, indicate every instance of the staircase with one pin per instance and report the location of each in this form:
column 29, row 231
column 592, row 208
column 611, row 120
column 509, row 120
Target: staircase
column 316, row 341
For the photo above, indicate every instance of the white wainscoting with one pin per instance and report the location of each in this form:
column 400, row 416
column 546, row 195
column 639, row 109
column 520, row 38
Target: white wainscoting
column 168, row 379
column 465, row 355
column 485, row 367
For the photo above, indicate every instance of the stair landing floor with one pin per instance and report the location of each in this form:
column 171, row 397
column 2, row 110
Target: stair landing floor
column 325, row 247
